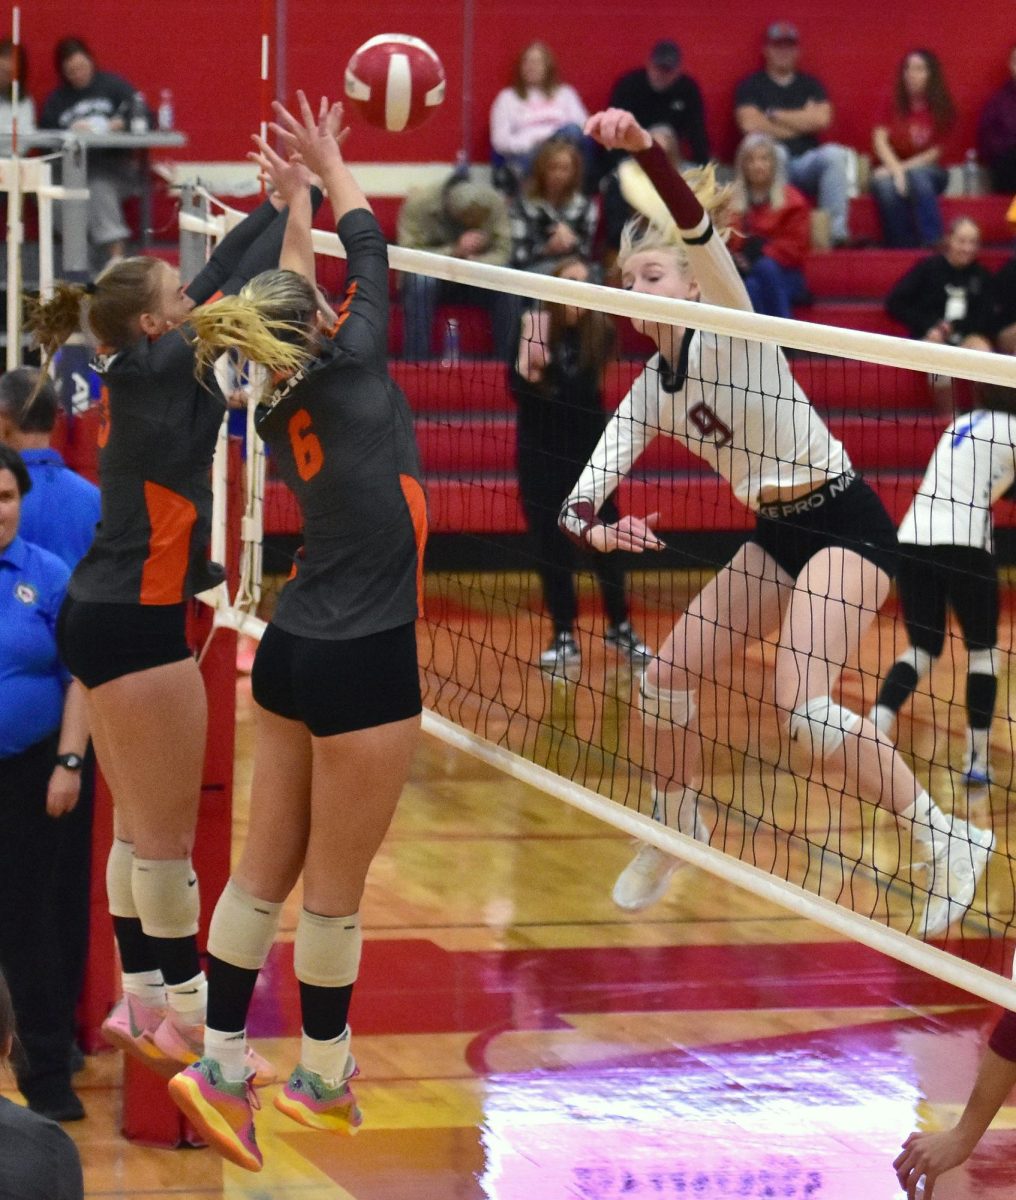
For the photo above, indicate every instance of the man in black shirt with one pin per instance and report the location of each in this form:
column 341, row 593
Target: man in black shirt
column 669, row 104
column 661, row 95
column 794, row 109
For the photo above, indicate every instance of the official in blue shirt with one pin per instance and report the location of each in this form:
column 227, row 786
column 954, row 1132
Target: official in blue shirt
column 43, row 734
column 62, row 509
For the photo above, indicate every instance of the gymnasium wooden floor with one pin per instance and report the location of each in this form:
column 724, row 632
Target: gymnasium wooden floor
column 520, row 1038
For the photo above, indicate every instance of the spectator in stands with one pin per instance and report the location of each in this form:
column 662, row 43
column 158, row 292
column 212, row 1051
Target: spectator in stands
column 552, row 220
column 1005, row 307
column 907, row 141
column 95, row 101
column 43, row 735
column 793, row 109
column 38, row 1161
column 536, row 106
column 557, row 384
column 948, row 298
column 661, row 96
column 463, row 219
column 26, row 108
column 774, row 223
column 996, row 133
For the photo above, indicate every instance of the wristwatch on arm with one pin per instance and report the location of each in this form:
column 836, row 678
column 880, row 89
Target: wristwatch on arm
column 70, row 762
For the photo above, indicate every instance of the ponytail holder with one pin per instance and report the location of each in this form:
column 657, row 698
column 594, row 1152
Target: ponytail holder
column 90, row 288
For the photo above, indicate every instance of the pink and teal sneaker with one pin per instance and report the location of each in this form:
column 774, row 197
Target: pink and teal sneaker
column 308, row 1099
column 222, row 1112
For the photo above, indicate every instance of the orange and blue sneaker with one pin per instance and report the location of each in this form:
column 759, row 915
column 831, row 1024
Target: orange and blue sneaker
column 184, row 1045
column 130, row 1027
column 221, row 1111
column 309, row 1099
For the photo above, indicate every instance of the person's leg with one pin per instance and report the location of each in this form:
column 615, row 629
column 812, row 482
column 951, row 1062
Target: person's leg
column 766, row 288
column 925, row 185
column 154, row 722
column 419, row 304
column 357, row 780
column 73, row 887
column 554, row 558
column 742, row 602
column 893, row 213
column 833, row 190
column 107, row 228
column 974, row 596
column 1003, row 173
column 30, row 942
column 610, row 575
column 922, row 597
column 836, row 598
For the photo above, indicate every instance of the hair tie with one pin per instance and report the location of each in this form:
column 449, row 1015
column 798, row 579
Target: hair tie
column 90, row 288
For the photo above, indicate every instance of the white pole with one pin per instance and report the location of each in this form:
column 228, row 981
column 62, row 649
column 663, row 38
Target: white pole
column 45, row 203
column 15, row 231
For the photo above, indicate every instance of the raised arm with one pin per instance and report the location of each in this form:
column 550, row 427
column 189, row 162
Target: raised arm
column 361, row 327
column 711, row 264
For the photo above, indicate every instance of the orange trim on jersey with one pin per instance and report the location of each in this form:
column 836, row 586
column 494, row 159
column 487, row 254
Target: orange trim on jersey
column 102, row 432
column 171, row 517
column 343, row 309
column 213, row 297
column 416, row 502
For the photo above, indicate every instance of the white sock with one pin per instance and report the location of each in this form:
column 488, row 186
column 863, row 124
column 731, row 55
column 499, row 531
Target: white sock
column 328, row 1058
column 925, row 815
column 977, row 747
column 188, row 1000
column 230, row 1051
column 146, row 986
column 882, row 718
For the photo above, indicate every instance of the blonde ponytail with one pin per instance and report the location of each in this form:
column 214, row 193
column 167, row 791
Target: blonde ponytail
column 652, row 227
column 270, row 322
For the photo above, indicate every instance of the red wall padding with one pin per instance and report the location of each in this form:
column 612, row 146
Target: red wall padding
column 209, row 54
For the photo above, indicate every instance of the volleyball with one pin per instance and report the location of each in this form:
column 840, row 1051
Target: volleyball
column 395, row 81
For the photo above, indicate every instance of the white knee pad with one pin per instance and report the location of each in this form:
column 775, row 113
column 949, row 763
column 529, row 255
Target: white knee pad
column 820, row 725
column 166, row 896
column 243, row 928
column 679, row 708
column 327, row 950
column 919, row 660
column 119, row 892
column 982, row 662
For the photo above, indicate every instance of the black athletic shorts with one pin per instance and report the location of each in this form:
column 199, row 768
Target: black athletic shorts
column 338, row 686
column 932, row 579
column 843, row 512
column 102, row 642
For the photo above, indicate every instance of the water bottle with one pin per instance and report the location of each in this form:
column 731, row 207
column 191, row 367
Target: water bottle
column 139, row 113
column 166, row 114
column 450, row 354
column 971, row 174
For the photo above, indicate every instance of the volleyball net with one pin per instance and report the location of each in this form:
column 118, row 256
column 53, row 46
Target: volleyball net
column 570, row 723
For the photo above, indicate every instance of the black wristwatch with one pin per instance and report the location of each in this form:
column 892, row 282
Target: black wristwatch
column 70, row 762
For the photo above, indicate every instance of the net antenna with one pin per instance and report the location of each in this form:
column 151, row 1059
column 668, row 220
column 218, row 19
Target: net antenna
column 451, row 708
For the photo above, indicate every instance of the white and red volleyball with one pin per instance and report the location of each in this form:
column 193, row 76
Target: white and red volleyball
column 395, row 81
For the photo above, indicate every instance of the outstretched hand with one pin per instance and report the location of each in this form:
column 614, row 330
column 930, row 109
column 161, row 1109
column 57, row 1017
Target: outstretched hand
column 630, row 533
column 316, row 141
column 288, row 176
column 617, row 129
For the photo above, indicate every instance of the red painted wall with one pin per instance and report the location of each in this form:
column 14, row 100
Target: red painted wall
column 209, row 53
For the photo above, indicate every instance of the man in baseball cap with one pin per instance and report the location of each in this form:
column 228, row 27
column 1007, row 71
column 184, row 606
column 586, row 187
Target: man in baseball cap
column 794, row 109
